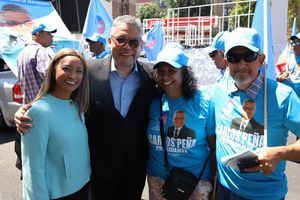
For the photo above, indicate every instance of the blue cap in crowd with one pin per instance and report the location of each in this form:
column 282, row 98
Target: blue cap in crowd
column 42, row 27
column 245, row 37
column 172, row 54
column 294, row 37
column 218, row 43
column 96, row 38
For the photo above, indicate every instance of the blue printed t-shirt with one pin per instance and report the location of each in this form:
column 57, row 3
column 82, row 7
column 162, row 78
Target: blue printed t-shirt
column 187, row 149
column 232, row 137
column 294, row 79
column 292, row 64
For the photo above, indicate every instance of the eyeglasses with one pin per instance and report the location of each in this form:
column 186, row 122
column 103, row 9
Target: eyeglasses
column 296, row 44
column 248, row 56
column 12, row 23
column 213, row 53
column 122, row 41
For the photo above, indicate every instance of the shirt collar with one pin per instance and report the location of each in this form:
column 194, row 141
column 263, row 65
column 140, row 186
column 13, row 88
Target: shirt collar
column 113, row 67
column 253, row 89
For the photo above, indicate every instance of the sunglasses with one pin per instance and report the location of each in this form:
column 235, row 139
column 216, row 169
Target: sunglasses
column 12, row 23
column 248, row 56
column 122, row 41
column 295, row 44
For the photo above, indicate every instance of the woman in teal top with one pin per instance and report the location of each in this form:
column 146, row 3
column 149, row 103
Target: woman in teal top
column 55, row 152
column 189, row 141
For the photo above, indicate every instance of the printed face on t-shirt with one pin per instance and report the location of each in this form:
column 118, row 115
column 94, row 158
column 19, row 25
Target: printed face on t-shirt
column 179, row 119
column 249, row 108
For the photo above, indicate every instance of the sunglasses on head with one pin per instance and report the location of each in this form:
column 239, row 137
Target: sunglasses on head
column 248, row 56
column 296, row 44
column 122, row 41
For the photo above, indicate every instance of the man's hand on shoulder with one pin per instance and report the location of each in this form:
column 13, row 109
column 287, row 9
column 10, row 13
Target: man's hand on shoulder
column 22, row 121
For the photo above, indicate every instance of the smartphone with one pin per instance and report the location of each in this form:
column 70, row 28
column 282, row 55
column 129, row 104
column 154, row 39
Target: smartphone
column 247, row 163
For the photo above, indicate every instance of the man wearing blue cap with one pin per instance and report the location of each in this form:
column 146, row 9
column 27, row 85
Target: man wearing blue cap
column 267, row 179
column 291, row 75
column 33, row 61
column 97, row 45
column 216, row 53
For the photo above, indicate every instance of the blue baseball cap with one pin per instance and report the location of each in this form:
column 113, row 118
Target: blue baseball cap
column 218, row 43
column 245, row 37
column 294, row 37
column 42, row 27
column 172, row 54
column 96, row 38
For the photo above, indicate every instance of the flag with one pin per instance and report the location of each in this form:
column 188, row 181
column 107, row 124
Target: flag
column 283, row 58
column 295, row 28
column 153, row 41
column 97, row 20
column 262, row 23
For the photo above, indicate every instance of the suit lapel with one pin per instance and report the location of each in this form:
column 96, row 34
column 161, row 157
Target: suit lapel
column 102, row 85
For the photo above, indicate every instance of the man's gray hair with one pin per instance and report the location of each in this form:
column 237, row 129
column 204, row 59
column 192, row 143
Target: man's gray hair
column 127, row 19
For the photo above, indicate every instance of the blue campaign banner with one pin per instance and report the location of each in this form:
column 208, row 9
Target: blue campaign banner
column 97, row 20
column 153, row 41
column 17, row 17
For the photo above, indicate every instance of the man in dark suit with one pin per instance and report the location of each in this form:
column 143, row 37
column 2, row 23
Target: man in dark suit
column 247, row 123
column 179, row 130
column 121, row 90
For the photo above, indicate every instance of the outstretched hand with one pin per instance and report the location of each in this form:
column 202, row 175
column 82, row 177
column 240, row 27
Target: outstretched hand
column 21, row 120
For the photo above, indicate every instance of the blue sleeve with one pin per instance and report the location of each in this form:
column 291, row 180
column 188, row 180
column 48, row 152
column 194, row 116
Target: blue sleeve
column 292, row 116
column 34, row 148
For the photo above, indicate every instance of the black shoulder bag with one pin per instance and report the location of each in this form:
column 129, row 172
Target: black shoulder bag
column 180, row 184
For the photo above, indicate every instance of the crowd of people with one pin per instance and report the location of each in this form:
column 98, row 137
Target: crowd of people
column 94, row 129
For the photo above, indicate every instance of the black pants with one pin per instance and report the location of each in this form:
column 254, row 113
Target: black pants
column 125, row 189
column 82, row 194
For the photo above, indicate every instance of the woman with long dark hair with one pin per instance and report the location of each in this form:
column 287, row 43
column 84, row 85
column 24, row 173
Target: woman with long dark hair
column 189, row 142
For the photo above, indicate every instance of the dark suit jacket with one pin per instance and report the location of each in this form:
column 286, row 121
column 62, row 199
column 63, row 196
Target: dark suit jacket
column 118, row 145
column 183, row 134
column 252, row 127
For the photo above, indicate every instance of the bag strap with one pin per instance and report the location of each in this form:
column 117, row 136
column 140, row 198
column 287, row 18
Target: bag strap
column 163, row 142
column 163, row 138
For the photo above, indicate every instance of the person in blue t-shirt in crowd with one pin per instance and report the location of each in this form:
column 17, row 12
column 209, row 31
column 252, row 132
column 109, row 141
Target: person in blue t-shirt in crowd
column 291, row 75
column 268, row 180
column 97, row 44
column 185, row 114
column 216, row 53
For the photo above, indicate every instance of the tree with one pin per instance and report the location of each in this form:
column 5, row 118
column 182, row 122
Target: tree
column 293, row 11
column 237, row 19
column 186, row 3
column 151, row 11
